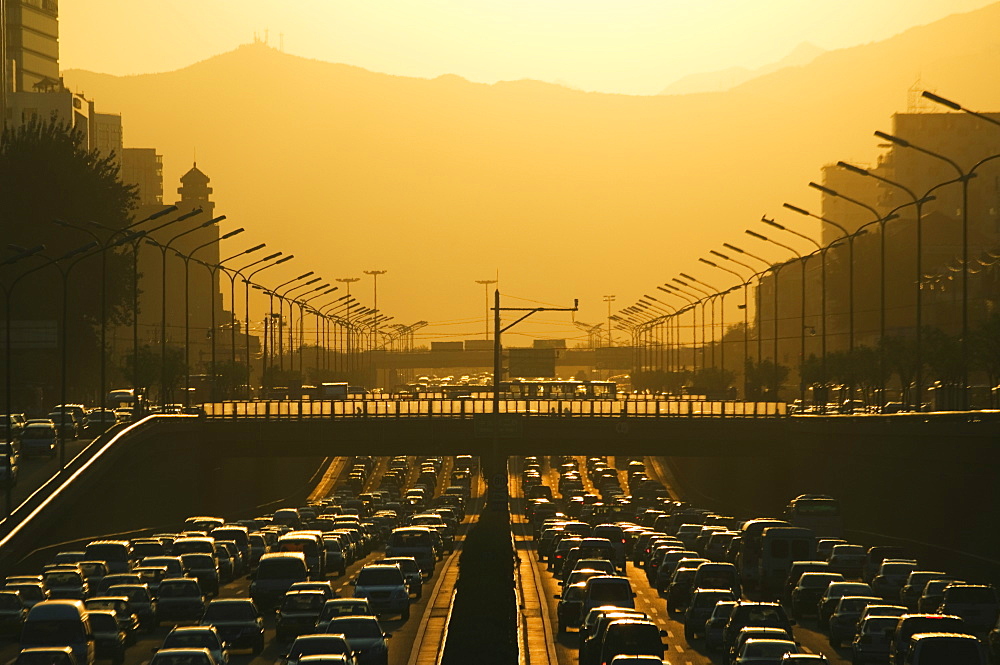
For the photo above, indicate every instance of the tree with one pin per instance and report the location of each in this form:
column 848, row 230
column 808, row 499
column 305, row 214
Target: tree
column 48, row 173
column 943, row 353
column 150, row 366
column 901, row 360
column 712, row 382
column 764, row 379
column 985, row 341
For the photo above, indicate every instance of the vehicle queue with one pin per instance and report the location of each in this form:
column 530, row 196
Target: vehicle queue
column 738, row 587
column 95, row 603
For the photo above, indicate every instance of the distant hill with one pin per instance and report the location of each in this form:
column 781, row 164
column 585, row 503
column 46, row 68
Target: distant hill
column 728, row 78
column 568, row 194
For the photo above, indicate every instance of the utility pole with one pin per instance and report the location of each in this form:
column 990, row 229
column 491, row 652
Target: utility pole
column 486, row 290
column 497, row 464
column 609, row 300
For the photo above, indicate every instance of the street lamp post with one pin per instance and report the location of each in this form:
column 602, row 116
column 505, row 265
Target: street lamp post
column 711, row 294
column 291, row 323
column 802, row 310
column 347, row 331
column 375, row 274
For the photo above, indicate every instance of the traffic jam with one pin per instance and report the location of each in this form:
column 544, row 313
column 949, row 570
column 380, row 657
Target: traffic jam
column 328, row 583
column 639, row 577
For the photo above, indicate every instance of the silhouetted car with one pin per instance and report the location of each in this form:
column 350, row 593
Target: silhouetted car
column 977, row 604
column 198, row 637
column 298, row 613
column 891, row 577
column 180, row 599
column 12, row 612
column 182, row 657
column 873, row 641
column 844, row 620
column 834, row 592
column 912, row 624
column 715, row 625
column 317, row 645
column 110, row 641
column 342, row 607
column 365, row 636
column 141, row 600
column 238, row 622
column 808, row 591
column 764, row 651
column 934, row 648
column 700, row 608
column 39, row 439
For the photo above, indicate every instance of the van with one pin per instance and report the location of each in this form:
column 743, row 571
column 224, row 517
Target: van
column 309, row 543
column 780, row 546
column 117, row 554
column 413, row 541
column 60, row 623
column 276, row 572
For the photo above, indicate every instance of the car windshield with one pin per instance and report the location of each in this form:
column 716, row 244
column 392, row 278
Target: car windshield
column 280, row 568
column 879, row 625
column 229, row 612
column 853, row 605
column 971, row 594
column 103, row 621
column 379, row 576
column 318, row 645
column 361, row 627
column 43, row 658
column 768, row 649
column 302, row 602
column 133, row 593
column 344, row 609
column 608, row 594
column 51, row 633
column 179, row 589
column 187, row 658
column 9, row 601
column 110, row 605
column 59, row 578
column 410, row 539
column 32, row 432
column 949, row 651
column 191, row 639
column 107, row 552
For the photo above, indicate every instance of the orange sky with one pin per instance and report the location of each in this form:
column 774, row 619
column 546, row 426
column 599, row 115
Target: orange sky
column 628, row 46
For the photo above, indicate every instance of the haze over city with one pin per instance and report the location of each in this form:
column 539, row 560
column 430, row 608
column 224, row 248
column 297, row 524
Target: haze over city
column 530, row 180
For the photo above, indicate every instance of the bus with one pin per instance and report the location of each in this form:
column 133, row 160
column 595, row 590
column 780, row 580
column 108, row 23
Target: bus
column 552, row 389
column 818, row 512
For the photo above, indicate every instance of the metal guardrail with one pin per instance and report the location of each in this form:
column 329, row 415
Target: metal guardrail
column 470, row 408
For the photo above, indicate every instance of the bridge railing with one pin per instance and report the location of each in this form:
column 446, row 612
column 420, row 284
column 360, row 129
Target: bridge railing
column 469, row 408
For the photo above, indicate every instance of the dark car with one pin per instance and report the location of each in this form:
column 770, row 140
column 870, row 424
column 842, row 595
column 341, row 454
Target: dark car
column 873, row 641
column 765, row 615
column 141, row 600
column 911, row 624
column 12, row 612
column 298, row 613
column 715, row 625
column 365, row 636
column 631, row 637
column 977, row 604
column 180, row 599
column 316, row 645
column 570, row 607
column 679, row 591
column 238, row 622
column 700, row 608
column 844, row 620
column 110, row 641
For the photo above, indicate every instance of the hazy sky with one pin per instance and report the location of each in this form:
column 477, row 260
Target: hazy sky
column 628, row 46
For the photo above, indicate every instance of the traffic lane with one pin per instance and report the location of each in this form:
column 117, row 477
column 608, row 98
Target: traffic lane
column 35, row 471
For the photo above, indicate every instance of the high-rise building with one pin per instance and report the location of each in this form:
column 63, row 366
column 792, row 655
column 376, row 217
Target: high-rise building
column 29, row 46
column 143, row 168
column 106, row 134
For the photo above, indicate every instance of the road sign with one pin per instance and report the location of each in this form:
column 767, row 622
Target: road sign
column 503, row 426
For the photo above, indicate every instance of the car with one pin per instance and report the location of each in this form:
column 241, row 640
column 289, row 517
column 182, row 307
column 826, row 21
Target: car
column 569, row 610
column 808, row 591
column 977, row 604
column 66, row 582
column 39, row 439
column 632, row 637
column 198, row 637
column 873, row 640
column 31, row 593
column 834, row 592
column 141, row 600
column 298, row 613
column 339, row 607
column 204, row 568
column 876, row 555
column 755, row 633
column 933, row 594
column 365, row 636
column 764, row 651
column 803, row 659
column 910, row 594
column 118, row 605
column 237, row 621
column 12, row 612
column 848, row 560
column 182, row 657
column 65, row 423
column 607, row 590
column 100, row 420
column 701, row 607
column 318, row 645
column 769, row 615
column 715, row 625
column 679, row 590
column 891, row 577
column 795, row 572
column 844, row 619
column 385, row 588
column 276, row 572
column 45, row 656
column 9, row 473
column 180, row 599
column 933, row 648
column 912, row 624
